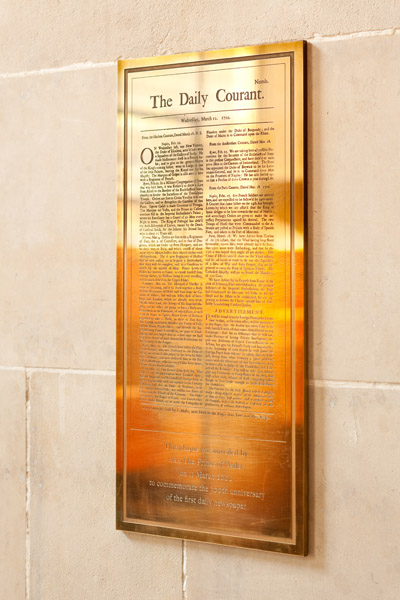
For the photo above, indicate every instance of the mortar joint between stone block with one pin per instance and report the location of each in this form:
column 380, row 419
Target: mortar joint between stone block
column 316, row 37
column 27, row 483
column 184, row 571
column 347, row 384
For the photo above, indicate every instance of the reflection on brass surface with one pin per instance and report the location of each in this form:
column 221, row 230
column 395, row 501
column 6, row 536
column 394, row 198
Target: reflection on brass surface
column 210, row 323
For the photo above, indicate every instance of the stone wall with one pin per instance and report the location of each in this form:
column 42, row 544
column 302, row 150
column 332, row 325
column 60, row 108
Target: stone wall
column 58, row 82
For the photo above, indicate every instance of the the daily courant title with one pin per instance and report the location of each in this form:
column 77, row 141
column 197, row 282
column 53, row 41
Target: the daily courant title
column 221, row 95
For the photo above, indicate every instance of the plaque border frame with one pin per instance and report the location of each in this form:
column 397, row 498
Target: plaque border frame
column 298, row 232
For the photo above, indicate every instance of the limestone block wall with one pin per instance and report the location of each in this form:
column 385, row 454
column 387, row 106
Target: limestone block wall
column 58, row 93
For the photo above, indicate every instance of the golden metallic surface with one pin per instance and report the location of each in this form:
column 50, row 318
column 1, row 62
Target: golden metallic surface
column 211, row 408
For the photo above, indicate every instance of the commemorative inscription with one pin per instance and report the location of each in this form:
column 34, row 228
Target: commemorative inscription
column 210, row 324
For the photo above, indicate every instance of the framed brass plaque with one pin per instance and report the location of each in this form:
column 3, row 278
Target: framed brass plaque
column 211, row 425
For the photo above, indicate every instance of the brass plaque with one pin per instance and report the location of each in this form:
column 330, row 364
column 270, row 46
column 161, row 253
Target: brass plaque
column 210, row 319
